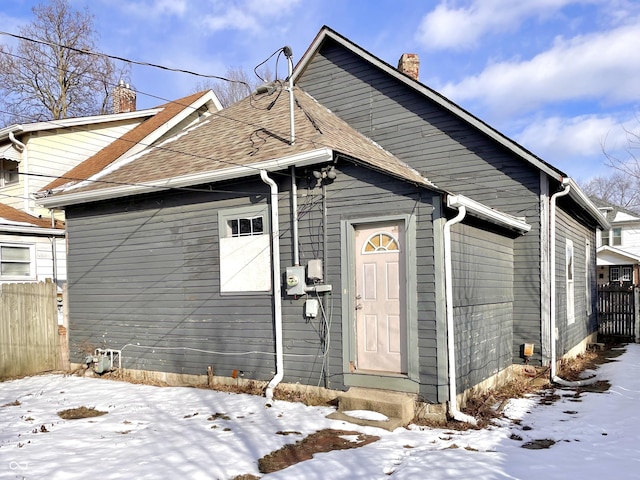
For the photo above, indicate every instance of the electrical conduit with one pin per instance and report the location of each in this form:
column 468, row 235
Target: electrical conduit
column 566, row 187
column 451, row 351
column 277, row 297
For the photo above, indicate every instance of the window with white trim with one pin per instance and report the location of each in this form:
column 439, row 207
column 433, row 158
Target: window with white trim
column 569, row 264
column 17, row 261
column 245, row 249
column 8, row 172
column 612, row 237
column 621, row 273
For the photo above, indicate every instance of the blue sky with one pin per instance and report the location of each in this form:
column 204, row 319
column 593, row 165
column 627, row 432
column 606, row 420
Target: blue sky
column 561, row 77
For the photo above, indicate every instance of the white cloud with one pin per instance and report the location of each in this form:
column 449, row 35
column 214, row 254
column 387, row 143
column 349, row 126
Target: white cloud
column 603, row 66
column 462, row 27
column 157, row 8
column 251, row 15
column 578, row 145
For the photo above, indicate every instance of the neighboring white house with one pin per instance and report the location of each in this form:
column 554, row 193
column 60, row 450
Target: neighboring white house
column 618, row 252
column 35, row 156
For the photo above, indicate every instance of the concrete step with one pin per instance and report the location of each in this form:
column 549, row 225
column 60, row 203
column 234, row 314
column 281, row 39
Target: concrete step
column 399, row 408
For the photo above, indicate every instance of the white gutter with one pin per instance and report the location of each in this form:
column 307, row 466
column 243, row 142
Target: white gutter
column 451, row 349
column 277, row 296
column 484, row 212
column 566, row 185
column 301, row 159
column 31, row 230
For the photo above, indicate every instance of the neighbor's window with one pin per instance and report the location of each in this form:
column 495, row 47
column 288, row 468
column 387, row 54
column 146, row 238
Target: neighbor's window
column 614, row 274
column 612, row 237
column 245, row 249
column 16, row 261
column 616, row 236
column 8, row 172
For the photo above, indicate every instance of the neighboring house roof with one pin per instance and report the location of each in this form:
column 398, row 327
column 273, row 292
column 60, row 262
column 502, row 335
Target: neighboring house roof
column 327, row 33
column 615, row 213
column 238, row 141
column 608, row 255
column 73, row 122
column 137, row 138
column 14, row 220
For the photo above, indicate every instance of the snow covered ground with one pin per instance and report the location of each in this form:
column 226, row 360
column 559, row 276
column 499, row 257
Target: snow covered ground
column 186, row 433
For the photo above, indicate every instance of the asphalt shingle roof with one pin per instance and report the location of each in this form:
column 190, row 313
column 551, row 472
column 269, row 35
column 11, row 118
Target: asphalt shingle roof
column 253, row 130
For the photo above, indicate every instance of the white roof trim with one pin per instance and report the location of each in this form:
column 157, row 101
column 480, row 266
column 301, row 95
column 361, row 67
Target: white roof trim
column 479, row 210
column 619, row 252
column 307, row 158
column 56, row 232
column 77, row 121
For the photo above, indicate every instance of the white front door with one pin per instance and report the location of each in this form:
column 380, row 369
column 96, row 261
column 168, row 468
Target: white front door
column 381, row 327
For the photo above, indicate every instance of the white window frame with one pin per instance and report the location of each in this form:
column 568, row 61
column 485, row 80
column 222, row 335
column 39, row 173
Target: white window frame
column 32, row 262
column 587, row 276
column 611, row 274
column 613, row 237
column 4, row 180
column 245, row 258
column 570, row 280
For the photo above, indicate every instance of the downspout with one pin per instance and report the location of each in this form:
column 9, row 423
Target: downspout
column 21, row 147
column 54, row 253
column 566, row 187
column 294, row 207
column 277, row 297
column 451, row 350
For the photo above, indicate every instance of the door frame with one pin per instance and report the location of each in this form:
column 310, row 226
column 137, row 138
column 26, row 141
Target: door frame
column 404, row 383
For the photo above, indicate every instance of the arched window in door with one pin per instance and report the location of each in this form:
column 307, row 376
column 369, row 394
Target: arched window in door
column 381, row 242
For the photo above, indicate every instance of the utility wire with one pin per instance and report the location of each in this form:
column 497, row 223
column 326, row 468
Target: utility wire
column 122, row 59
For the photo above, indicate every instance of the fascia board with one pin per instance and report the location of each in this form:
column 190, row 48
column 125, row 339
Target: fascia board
column 576, row 193
column 32, row 230
column 74, row 122
column 307, row 158
column 479, row 210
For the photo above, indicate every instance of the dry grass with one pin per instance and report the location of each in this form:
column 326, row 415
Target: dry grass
column 80, row 412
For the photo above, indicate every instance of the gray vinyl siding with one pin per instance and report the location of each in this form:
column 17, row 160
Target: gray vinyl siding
column 483, row 278
column 451, row 153
column 144, row 277
column 571, row 334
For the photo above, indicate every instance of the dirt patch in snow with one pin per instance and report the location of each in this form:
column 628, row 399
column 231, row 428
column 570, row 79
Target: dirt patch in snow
column 80, row 412
column 325, row 440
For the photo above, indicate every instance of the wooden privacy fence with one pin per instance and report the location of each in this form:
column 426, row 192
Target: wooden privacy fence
column 618, row 311
column 29, row 334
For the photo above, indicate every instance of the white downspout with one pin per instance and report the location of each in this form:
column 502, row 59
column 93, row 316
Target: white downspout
column 294, row 207
column 451, row 350
column 566, row 187
column 277, row 297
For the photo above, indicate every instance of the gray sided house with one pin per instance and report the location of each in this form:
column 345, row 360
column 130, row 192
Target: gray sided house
column 321, row 251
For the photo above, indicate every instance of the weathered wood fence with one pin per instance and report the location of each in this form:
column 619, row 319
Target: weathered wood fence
column 29, row 334
column 618, row 311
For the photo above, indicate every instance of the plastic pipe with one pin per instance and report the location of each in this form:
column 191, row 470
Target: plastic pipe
column 277, row 297
column 566, row 188
column 451, row 350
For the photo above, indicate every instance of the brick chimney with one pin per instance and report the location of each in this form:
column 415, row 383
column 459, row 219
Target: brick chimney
column 124, row 98
column 409, row 64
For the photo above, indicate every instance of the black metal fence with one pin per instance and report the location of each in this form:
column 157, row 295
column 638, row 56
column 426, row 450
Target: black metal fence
column 617, row 307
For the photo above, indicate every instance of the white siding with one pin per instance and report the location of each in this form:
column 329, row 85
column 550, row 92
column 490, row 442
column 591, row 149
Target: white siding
column 43, row 256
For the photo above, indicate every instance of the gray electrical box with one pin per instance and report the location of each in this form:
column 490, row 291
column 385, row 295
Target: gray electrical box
column 314, row 270
column 295, row 280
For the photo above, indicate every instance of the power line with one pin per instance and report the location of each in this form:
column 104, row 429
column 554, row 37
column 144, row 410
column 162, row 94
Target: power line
column 121, row 59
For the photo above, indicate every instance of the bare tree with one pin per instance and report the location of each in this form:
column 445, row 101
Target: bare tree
column 47, row 76
column 620, row 188
column 239, row 85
